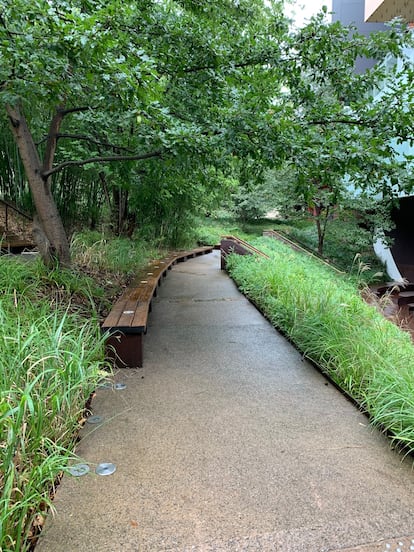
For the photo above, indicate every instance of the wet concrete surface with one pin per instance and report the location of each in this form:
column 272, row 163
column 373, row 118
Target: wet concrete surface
column 227, row 440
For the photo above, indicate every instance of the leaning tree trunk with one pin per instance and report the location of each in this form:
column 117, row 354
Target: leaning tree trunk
column 322, row 215
column 49, row 233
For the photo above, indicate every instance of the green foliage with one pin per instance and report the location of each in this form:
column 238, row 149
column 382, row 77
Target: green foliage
column 345, row 239
column 34, row 282
column 249, row 205
column 50, row 361
column 142, row 80
column 168, row 103
column 338, row 139
column 324, row 315
column 210, row 229
column 166, row 207
column 99, row 253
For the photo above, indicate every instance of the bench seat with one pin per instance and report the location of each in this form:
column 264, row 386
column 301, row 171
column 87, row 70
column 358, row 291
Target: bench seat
column 126, row 324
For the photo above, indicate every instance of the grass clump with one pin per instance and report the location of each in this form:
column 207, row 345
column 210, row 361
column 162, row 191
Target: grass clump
column 51, row 357
column 343, row 241
column 100, row 253
column 210, row 229
column 324, row 315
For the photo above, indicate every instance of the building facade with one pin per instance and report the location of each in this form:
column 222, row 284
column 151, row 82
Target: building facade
column 352, row 12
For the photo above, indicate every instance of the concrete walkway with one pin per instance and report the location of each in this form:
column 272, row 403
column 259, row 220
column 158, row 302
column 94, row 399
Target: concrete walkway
column 227, row 440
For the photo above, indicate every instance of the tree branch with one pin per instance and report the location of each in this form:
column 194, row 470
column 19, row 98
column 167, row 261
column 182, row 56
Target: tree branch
column 357, row 122
column 108, row 159
column 226, row 65
column 86, row 139
column 69, row 110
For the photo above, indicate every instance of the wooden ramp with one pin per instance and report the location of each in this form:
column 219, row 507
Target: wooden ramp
column 15, row 228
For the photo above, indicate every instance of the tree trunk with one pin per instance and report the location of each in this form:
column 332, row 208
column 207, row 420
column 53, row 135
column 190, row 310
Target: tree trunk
column 49, row 231
column 120, row 210
column 321, row 222
column 320, row 237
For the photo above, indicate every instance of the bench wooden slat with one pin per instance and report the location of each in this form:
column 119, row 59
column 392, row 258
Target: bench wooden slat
column 127, row 315
column 113, row 317
column 141, row 316
column 145, row 292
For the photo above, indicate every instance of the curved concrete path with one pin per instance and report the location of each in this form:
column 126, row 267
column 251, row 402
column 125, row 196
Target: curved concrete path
column 228, row 440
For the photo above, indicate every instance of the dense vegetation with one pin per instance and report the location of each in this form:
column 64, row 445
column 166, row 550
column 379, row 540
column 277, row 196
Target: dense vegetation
column 324, row 315
column 141, row 114
column 136, row 118
column 52, row 351
column 348, row 246
column 51, row 356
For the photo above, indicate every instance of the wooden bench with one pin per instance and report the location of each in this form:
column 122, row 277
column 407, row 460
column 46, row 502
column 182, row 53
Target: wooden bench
column 126, row 324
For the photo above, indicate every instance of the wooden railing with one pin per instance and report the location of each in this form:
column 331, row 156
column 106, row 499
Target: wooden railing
column 232, row 244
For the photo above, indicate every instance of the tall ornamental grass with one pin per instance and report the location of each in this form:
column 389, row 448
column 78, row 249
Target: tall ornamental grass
column 370, row 358
column 100, row 253
column 50, row 361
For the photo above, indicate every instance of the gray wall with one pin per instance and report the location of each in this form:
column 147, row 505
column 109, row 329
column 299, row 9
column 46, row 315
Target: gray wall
column 352, row 12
